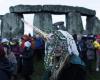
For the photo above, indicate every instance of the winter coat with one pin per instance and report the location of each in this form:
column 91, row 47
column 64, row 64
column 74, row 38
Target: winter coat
column 5, row 69
column 16, row 49
column 97, row 47
column 3, row 75
column 39, row 43
column 90, row 50
column 27, row 61
column 12, row 59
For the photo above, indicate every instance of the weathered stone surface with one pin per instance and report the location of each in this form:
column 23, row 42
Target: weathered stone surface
column 90, row 23
column 26, row 8
column 55, row 9
column 43, row 21
column 65, row 9
column 12, row 25
column 84, row 11
column 93, row 25
column 74, row 23
column 0, row 27
column 1, row 16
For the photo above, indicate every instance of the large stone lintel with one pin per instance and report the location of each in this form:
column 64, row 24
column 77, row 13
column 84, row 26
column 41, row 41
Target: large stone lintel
column 26, row 9
column 55, row 9
column 62, row 9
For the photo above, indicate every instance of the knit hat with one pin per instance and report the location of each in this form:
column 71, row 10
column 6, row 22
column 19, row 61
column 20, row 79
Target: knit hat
column 4, row 40
column 27, row 44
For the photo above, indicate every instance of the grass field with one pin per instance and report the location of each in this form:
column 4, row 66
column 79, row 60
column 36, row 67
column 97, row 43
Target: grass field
column 93, row 75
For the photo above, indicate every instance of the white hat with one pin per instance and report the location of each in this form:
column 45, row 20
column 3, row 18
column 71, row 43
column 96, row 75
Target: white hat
column 27, row 44
column 4, row 40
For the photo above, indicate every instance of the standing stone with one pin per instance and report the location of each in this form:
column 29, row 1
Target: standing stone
column 74, row 23
column 93, row 25
column 43, row 21
column 90, row 23
column 0, row 27
column 1, row 16
column 12, row 25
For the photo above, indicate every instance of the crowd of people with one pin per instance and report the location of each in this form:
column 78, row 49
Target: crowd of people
column 89, row 49
column 88, row 60
column 16, row 56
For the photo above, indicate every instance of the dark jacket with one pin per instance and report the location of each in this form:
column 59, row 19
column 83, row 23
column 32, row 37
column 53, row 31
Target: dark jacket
column 5, row 69
column 27, row 61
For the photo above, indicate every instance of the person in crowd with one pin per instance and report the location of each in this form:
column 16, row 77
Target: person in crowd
column 27, row 61
column 82, row 48
column 78, row 43
column 27, row 38
column 11, row 58
column 39, row 47
column 72, row 68
column 97, row 47
column 75, row 68
column 90, row 53
column 5, row 67
column 24, row 38
column 13, row 62
column 17, row 50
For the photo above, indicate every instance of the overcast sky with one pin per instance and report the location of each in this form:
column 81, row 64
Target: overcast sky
column 91, row 4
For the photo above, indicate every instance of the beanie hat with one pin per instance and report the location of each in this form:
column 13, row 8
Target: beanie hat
column 27, row 44
column 4, row 40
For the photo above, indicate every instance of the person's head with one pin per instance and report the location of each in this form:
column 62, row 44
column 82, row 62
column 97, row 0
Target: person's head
column 15, row 42
column 29, row 35
column 25, row 37
column 27, row 44
column 98, row 38
column 5, row 42
column 37, row 35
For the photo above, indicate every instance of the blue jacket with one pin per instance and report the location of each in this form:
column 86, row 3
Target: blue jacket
column 38, row 43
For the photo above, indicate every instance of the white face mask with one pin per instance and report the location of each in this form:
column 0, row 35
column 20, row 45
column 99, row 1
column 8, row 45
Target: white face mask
column 27, row 44
column 37, row 36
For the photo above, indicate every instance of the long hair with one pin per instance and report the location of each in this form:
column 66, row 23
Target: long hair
column 2, row 52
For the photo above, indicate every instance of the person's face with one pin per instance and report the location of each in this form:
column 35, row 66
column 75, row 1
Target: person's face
column 5, row 50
